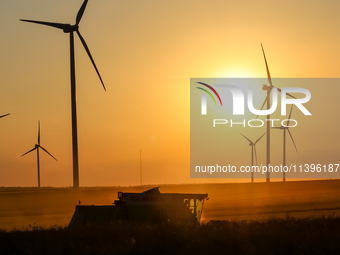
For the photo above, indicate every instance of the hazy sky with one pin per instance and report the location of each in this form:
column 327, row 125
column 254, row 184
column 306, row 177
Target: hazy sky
column 146, row 52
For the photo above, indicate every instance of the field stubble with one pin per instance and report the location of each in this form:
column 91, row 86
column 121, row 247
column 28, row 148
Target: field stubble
column 21, row 207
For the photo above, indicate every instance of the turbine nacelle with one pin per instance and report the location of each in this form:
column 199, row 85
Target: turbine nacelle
column 266, row 87
column 68, row 28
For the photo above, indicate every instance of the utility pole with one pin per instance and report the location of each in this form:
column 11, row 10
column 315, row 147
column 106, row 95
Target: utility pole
column 141, row 172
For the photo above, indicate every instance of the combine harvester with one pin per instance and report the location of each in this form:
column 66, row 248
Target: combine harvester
column 148, row 206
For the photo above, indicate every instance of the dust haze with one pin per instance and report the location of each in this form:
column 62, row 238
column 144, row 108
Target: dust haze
column 22, row 208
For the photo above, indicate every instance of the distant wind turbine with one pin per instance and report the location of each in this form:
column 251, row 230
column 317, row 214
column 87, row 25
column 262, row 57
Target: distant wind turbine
column 253, row 148
column 268, row 89
column 4, row 115
column 284, row 141
column 67, row 28
column 36, row 147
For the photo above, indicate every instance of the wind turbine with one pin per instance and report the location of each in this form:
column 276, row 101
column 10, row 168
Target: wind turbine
column 67, row 28
column 4, row 115
column 36, row 147
column 268, row 89
column 284, row 141
column 253, row 148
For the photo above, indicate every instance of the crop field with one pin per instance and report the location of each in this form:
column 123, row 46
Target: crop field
column 259, row 218
column 46, row 207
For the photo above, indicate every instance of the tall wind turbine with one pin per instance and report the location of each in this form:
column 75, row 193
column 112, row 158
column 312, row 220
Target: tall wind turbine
column 253, row 148
column 284, row 141
column 67, row 28
column 268, row 89
column 4, row 115
column 36, row 147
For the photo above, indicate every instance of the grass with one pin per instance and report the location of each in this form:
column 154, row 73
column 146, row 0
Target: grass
column 274, row 236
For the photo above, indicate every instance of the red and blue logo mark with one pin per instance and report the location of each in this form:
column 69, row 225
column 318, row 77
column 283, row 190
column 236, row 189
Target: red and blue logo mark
column 212, row 89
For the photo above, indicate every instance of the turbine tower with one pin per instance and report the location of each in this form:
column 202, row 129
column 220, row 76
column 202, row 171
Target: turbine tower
column 284, row 141
column 70, row 29
column 36, row 147
column 4, row 115
column 268, row 89
column 253, row 148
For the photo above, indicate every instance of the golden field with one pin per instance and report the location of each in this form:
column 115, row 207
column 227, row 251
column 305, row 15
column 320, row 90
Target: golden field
column 22, row 207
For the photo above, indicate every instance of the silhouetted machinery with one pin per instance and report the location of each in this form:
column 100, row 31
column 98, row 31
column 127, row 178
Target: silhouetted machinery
column 148, row 206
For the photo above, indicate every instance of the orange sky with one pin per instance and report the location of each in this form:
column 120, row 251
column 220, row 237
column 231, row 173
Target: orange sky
column 146, row 52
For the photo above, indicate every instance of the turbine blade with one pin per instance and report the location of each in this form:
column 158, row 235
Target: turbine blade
column 88, row 53
column 286, row 93
column 4, row 115
column 39, row 132
column 268, row 74
column 290, row 114
column 255, row 154
column 81, row 12
column 48, row 152
column 260, row 137
column 28, row 152
column 293, row 141
column 291, row 96
column 50, row 24
column 246, row 138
